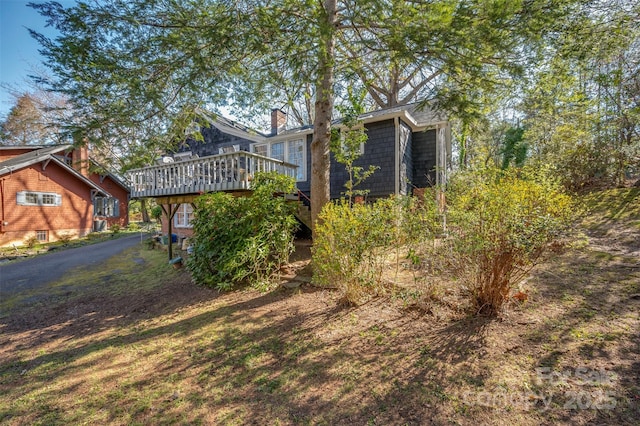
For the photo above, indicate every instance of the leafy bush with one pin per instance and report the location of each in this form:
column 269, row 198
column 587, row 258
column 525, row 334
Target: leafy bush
column 133, row 227
column 354, row 243
column 243, row 239
column 115, row 228
column 500, row 224
column 156, row 213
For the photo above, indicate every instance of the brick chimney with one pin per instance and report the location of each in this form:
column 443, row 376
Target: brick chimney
column 80, row 160
column 278, row 121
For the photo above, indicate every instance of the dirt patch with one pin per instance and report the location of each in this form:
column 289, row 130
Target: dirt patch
column 132, row 350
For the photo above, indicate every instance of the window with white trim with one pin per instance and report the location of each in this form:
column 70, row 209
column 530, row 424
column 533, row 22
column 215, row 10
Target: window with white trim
column 106, row 206
column 292, row 151
column 42, row 236
column 261, row 149
column 343, row 134
column 277, row 151
column 295, row 155
column 29, row 198
column 183, row 216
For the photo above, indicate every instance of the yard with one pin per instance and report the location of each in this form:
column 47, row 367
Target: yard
column 143, row 345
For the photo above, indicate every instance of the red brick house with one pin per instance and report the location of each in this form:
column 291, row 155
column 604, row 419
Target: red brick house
column 49, row 193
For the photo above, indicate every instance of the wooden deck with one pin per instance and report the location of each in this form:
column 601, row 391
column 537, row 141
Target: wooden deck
column 230, row 172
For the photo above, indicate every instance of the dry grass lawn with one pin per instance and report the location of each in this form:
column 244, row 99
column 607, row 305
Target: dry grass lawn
column 137, row 343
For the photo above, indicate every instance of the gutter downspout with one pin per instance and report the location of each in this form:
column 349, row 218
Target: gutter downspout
column 2, row 221
column 2, row 207
column 438, row 171
column 396, row 123
column 441, row 174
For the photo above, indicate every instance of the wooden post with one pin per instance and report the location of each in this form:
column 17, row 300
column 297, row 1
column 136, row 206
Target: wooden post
column 170, row 213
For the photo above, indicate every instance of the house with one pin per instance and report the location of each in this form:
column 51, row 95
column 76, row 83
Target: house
column 411, row 147
column 49, row 192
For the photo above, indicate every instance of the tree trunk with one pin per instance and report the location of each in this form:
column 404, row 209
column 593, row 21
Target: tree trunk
column 320, row 159
column 144, row 210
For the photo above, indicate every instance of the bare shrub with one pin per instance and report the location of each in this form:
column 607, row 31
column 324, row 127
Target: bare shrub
column 65, row 237
column 31, row 242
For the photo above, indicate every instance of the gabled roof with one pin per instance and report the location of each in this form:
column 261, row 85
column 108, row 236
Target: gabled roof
column 45, row 155
column 28, row 147
column 113, row 176
column 419, row 118
column 231, row 127
column 35, row 156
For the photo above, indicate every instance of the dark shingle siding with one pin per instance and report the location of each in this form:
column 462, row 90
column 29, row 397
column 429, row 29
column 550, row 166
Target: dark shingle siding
column 418, row 153
column 379, row 150
column 214, row 139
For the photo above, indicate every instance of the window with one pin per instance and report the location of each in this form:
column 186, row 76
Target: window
column 42, row 236
column 295, row 155
column 183, row 216
column 228, row 149
column 25, row 198
column 49, row 199
column 293, row 151
column 261, row 149
column 277, row 151
column 32, row 198
column 106, row 206
column 343, row 134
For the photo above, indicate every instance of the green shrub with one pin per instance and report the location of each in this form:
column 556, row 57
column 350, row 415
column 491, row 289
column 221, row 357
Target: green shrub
column 243, row 239
column 355, row 243
column 156, row 213
column 115, row 228
column 133, row 227
column 94, row 236
column 500, row 224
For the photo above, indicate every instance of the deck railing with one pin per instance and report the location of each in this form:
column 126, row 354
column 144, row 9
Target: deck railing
column 225, row 172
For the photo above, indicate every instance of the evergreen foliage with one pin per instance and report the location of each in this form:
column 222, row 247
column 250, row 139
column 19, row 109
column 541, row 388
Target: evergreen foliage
column 243, row 239
column 514, row 150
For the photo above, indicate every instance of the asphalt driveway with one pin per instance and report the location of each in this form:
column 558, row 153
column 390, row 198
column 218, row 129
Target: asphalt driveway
column 39, row 271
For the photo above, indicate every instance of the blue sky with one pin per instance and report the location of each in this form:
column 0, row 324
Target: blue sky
column 18, row 51
column 19, row 55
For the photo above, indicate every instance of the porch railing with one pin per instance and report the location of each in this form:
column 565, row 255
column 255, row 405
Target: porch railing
column 224, row 172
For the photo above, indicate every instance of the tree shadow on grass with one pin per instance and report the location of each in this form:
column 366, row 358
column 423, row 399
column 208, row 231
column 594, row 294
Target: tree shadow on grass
column 297, row 357
column 591, row 329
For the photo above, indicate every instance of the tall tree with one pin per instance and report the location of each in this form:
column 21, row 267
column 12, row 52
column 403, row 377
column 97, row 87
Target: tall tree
column 152, row 64
column 128, row 64
column 31, row 120
column 582, row 110
column 23, row 125
column 325, row 80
